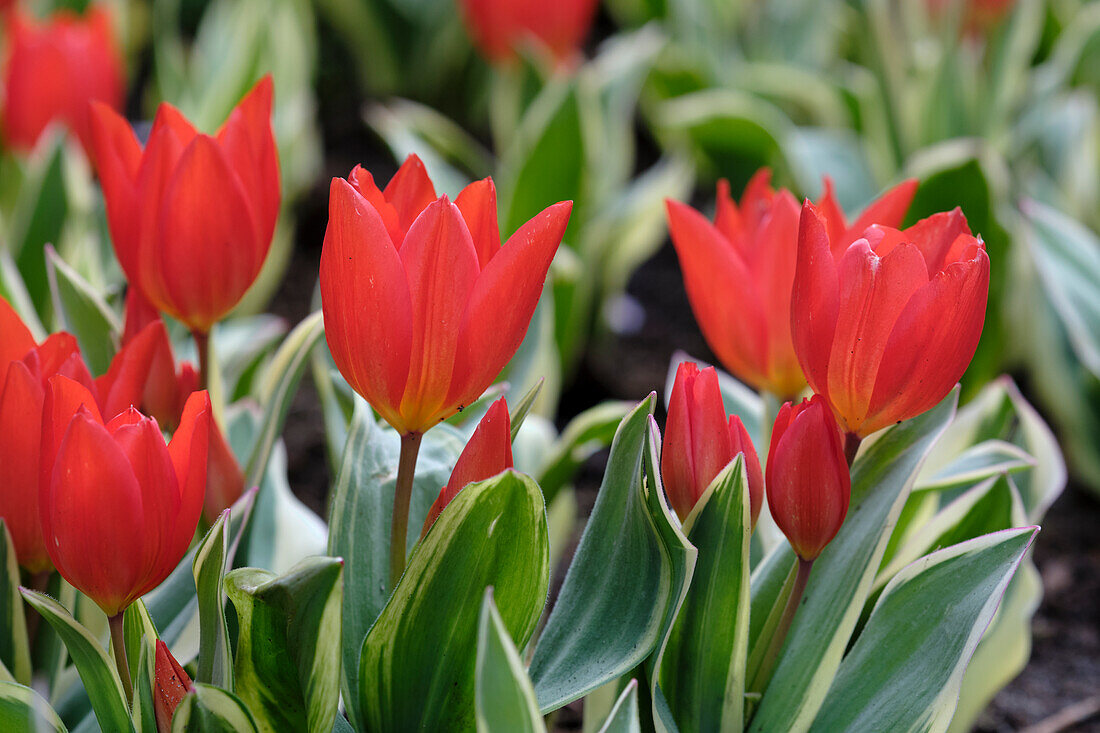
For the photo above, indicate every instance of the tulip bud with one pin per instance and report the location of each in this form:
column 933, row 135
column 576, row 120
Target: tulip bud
column 500, row 27
column 807, row 476
column 699, row 442
column 755, row 245
column 171, row 685
column 884, row 327
column 488, row 452
column 54, row 69
column 423, row 306
column 192, row 215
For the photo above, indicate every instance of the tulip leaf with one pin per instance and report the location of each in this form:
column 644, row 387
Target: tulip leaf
column 977, row 463
column 359, row 531
column 619, row 574
column 23, row 709
column 504, row 696
column 15, row 292
column 39, row 216
column 583, row 436
column 521, row 409
column 208, row 709
column 910, row 681
column 143, row 710
column 96, row 669
column 215, row 665
column 81, row 311
column 137, row 627
column 842, row 576
column 703, row 668
column 624, row 717
column 15, row 651
column 416, row 670
column 288, row 648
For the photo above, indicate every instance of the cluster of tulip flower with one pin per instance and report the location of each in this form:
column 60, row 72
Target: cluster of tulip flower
column 423, row 307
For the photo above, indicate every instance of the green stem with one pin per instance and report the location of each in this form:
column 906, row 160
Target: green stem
column 771, row 657
column 39, row 582
column 202, row 343
column 406, row 468
column 851, row 447
column 118, row 641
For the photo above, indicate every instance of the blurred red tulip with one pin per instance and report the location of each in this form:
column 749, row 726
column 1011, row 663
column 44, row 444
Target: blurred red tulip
column 807, row 476
column 699, row 442
column 885, row 327
column 171, row 685
column 488, row 452
column 54, row 68
column 423, row 307
column 121, row 507
column 738, row 272
column 191, row 216
column 499, row 27
column 978, row 16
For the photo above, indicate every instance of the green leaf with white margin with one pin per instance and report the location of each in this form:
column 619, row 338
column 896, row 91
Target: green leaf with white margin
column 40, row 214
column 137, row 626
column 215, row 665
column 81, row 311
column 703, row 669
column 96, row 669
column 288, row 649
column 882, row 476
column 359, row 530
column 503, row 693
column 143, row 710
column 910, row 681
column 624, row 717
column 617, row 575
column 587, row 433
column 15, row 292
column 415, row 670
column 23, row 709
column 15, row 651
column 208, row 709
column 976, row 464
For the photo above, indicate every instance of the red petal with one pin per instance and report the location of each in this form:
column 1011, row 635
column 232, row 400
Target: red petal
column 15, row 338
column 63, row 399
column 224, row 478
column 441, row 267
column 20, row 441
column 209, row 252
column 124, row 384
column 409, row 192
column 478, row 204
column 502, row 302
column 363, row 182
column 117, row 156
column 727, row 217
column 740, row 442
column 366, row 301
column 677, row 456
column 731, row 318
column 932, row 343
column 188, row 450
column 835, row 222
column 139, row 314
column 936, row 235
column 815, row 300
column 776, row 255
column 757, row 198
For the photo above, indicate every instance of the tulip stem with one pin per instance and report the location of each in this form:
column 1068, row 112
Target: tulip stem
column 406, row 467
column 771, row 656
column 202, row 344
column 39, row 582
column 118, row 642
column 851, row 447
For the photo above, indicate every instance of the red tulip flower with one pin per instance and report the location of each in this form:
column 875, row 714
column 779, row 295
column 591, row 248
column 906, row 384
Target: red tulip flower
column 807, row 476
column 192, row 215
column 423, row 307
column 739, row 271
column 171, row 685
column 121, row 507
column 700, row 441
column 54, row 68
column 499, row 27
column 885, row 327
column 488, row 452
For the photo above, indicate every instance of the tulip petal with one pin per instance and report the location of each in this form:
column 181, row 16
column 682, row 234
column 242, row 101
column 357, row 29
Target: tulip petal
column 757, row 198
column 162, row 152
column 224, row 478
column 775, row 259
column 363, row 182
column 117, row 156
column 722, row 292
column 873, row 293
column 123, row 386
column 169, row 119
column 815, row 301
column 835, row 222
column 887, row 210
column 92, row 517
column 441, row 266
column 936, row 235
column 20, row 441
column 209, row 252
column 366, row 302
column 409, row 192
column 740, row 442
column 249, row 144
column 64, row 397
column 188, row 450
column 932, row 343
column 478, row 204
column 503, row 301
column 15, row 338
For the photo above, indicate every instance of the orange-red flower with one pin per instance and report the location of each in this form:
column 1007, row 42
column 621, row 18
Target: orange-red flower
column 192, row 215
column 423, row 307
column 738, row 272
column 699, row 442
column 488, row 452
column 120, row 507
column 171, row 685
column 54, row 68
column 807, row 476
column 885, row 327
column 498, row 27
